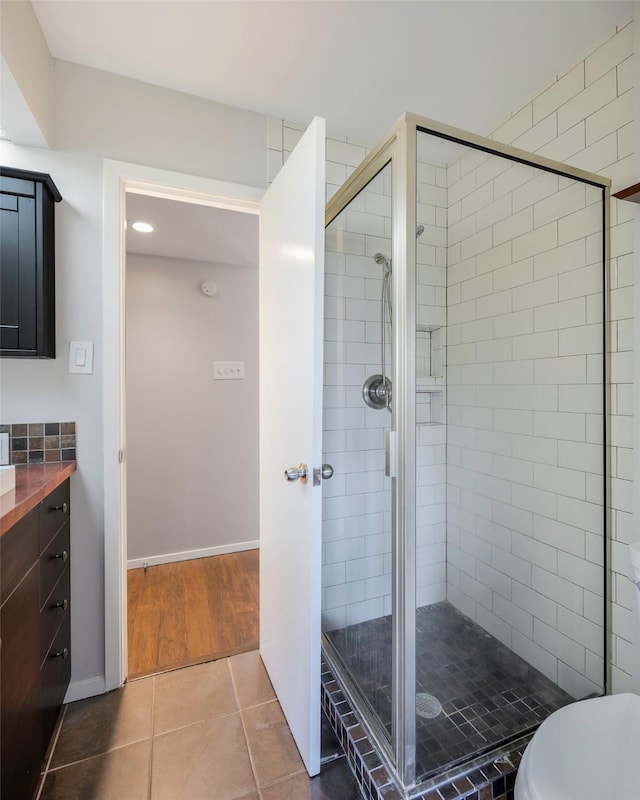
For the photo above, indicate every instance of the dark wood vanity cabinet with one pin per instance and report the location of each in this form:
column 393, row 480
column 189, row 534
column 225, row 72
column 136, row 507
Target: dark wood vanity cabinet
column 27, row 264
column 35, row 655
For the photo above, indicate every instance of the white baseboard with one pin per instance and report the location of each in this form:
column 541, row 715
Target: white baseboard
column 80, row 690
column 186, row 555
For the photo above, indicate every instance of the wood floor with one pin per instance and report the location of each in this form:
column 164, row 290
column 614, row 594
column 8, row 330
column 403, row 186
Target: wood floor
column 189, row 612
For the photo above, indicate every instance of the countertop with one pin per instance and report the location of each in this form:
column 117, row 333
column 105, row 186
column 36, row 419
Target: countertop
column 33, row 483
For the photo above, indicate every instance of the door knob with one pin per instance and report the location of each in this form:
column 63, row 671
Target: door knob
column 296, row 473
column 322, row 474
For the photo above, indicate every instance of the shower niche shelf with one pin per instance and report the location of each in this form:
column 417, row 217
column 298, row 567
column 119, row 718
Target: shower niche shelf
column 429, row 353
column 429, row 407
column 429, row 374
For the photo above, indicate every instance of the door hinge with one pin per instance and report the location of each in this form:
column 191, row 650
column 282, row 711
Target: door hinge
column 121, row 455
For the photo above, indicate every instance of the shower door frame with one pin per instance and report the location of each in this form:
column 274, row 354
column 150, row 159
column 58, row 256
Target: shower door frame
column 399, row 147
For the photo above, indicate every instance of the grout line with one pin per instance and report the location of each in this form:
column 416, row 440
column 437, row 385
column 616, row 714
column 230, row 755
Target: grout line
column 244, row 730
column 197, row 722
column 98, row 755
column 54, row 744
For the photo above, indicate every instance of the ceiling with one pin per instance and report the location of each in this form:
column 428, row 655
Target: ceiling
column 358, row 63
column 190, row 231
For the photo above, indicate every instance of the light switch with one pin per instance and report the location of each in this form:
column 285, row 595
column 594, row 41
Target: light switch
column 81, row 357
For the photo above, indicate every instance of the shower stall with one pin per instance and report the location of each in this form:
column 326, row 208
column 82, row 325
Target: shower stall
column 465, row 403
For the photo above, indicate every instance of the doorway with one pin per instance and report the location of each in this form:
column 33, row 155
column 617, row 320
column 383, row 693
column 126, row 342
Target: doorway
column 120, row 180
column 291, row 244
column 191, row 387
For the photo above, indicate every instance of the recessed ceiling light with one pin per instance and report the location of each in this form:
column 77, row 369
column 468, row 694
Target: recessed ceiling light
column 142, row 227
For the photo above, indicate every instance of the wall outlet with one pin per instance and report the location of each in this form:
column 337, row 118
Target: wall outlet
column 4, row 448
column 228, row 370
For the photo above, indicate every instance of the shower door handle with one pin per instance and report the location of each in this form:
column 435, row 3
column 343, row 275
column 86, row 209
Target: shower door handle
column 390, row 454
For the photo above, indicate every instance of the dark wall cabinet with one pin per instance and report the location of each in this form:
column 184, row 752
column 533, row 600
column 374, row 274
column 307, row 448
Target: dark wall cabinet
column 35, row 660
column 27, row 264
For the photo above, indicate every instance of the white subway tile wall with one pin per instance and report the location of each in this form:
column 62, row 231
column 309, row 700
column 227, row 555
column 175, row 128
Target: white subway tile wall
column 509, row 273
column 431, row 317
column 519, row 577
column 584, row 118
column 357, row 500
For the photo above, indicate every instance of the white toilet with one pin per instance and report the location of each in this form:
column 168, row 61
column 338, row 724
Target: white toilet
column 588, row 750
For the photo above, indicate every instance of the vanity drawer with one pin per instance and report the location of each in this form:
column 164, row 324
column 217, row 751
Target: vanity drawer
column 53, row 562
column 53, row 611
column 54, row 512
column 18, row 552
column 55, row 674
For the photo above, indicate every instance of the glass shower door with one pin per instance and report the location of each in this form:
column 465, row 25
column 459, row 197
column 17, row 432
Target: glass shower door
column 357, row 413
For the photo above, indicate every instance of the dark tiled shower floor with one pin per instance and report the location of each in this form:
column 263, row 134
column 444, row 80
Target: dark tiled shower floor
column 488, row 694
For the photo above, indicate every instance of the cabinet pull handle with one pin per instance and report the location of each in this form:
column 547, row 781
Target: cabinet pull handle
column 64, row 605
column 64, row 508
column 64, row 555
column 63, row 654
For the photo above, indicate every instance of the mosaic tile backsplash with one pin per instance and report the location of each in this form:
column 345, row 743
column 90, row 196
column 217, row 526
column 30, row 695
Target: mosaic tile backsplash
column 41, row 442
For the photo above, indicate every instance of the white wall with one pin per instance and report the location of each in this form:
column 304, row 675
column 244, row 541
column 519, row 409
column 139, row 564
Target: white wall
column 192, row 442
column 26, row 77
column 99, row 115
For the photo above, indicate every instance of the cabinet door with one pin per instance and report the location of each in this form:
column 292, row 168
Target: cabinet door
column 20, row 690
column 18, row 274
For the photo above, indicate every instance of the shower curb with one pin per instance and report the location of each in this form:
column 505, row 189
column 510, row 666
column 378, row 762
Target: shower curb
column 491, row 778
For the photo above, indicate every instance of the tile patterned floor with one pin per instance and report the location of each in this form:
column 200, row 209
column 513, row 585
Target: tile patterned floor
column 488, row 693
column 209, row 732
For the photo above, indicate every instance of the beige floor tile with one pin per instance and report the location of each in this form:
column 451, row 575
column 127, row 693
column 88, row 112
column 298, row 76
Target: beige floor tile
column 273, row 750
column 205, row 761
column 251, row 679
column 192, row 695
column 101, row 724
column 335, row 782
column 296, row 788
column 122, row 774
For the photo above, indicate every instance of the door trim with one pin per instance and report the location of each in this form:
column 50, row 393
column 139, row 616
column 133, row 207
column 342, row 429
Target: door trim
column 119, row 178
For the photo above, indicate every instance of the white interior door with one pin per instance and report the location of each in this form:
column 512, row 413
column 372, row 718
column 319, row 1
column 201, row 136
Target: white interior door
column 291, row 335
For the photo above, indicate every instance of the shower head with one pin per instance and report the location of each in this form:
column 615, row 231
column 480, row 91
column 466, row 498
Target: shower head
column 380, row 258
